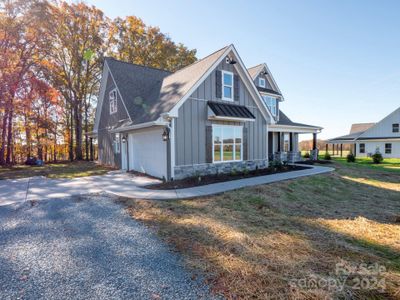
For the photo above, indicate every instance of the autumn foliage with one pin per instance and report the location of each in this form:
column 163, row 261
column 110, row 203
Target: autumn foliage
column 51, row 58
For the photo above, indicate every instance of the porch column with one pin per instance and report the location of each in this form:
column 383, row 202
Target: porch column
column 91, row 149
column 291, row 141
column 314, row 141
column 355, row 150
column 341, row 150
column 279, row 142
column 326, row 148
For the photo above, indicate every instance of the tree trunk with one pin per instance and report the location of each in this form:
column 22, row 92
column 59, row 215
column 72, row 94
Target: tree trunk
column 86, row 135
column 78, row 132
column 71, row 137
column 3, row 138
column 9, row 137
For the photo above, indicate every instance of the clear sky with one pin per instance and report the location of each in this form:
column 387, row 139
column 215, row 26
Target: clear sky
column 336, row 62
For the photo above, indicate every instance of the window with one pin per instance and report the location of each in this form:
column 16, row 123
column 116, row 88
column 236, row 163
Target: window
column 362, row 148
column 286, row 142
column 113, row 102
column 116, row 144
column 261, row 82
column 227, row 143
column 395, row 127
column 388, row 148
column 271, row 104
column 227, row 86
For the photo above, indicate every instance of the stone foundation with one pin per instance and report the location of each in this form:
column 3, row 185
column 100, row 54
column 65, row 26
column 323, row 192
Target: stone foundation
column 214, row 168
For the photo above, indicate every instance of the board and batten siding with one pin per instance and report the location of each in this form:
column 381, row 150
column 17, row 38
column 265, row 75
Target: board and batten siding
column 105, row 138
column 190, row 126
column 384, row 127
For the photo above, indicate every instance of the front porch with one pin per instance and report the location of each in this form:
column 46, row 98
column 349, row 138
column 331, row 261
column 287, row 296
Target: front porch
column 283, row 143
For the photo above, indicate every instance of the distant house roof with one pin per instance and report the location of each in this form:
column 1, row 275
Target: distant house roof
column 148, row 92
column 284, row 120
column 360, row 127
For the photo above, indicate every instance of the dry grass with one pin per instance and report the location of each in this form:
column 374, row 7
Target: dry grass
column 55, row 170
column 257, row 242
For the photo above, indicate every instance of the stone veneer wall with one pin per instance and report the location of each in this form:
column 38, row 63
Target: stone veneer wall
column 214, row 168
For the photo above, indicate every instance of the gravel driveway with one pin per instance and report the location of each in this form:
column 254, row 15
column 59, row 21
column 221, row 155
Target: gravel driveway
column 86, row 248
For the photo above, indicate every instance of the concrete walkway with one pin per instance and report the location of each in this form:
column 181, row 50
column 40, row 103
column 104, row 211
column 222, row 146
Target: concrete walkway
column 127, row 185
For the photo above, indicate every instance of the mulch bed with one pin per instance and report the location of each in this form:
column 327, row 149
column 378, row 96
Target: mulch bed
column 209, row 179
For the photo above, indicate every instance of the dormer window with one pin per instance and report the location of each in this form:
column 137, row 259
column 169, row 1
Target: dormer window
column 261, row 82
column 113, row 102
column 227, row 86
column 270, row 102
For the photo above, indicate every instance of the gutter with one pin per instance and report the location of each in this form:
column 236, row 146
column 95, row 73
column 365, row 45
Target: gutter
column 139, row 126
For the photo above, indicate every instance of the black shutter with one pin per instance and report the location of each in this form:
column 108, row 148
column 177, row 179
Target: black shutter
column 208, row 144
column 236, row 88
column 218, row 84
column 245, row 144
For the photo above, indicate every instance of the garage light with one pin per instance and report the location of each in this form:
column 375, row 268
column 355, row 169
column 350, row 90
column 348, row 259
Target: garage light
column 165, row 134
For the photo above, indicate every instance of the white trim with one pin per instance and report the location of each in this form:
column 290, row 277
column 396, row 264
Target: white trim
column 172, row 141
column 114, row 100
column 222, row 144
column 260, row 79
column 298, row 129
column 139, row 126
column 103, row 87
column 249, row 84
column 223, row 72
column 230, row 119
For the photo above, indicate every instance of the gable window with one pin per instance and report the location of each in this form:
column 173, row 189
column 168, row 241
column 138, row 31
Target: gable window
column 227, row 143
column 270, row 102
column 261, row 82
column 395, row 127
column 113, row 102
column 388, row 148
column 227, row 86
column 362, row 148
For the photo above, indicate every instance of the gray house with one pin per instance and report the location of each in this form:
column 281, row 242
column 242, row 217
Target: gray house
column 212, row 116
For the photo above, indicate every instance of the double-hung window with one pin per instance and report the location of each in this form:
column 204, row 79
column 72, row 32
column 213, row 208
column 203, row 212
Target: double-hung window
column 362, row 148
column 113, row 102
column 227, row 86
column 388, row 148
column 271, row 104
column 395, row 128
column 227, row 143
column 261, row 82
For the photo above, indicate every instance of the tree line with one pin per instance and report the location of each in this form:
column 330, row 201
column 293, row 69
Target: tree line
column 51, row 59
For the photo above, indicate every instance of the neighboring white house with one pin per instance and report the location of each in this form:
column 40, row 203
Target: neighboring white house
column 369, row 138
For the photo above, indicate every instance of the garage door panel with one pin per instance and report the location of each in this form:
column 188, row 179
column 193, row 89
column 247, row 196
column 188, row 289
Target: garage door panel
column 148, row 153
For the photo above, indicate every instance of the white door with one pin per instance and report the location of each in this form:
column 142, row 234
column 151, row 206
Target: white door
column 148, row 152
column 124, row 156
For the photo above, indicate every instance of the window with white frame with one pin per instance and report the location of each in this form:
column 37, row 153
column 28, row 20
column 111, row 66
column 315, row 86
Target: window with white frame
column 270, row 102
column 388, row 148
column 227, row 85
column 286, row 142
column 261, row 82
column 395, row 127
column 113, row 101
column 362, row 148
column 227, row 143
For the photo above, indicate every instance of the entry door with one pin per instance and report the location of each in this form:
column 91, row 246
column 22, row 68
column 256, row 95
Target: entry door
column 124, row 155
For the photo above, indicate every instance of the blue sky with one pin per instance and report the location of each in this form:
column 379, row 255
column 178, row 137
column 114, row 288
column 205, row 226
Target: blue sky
column 336, row 62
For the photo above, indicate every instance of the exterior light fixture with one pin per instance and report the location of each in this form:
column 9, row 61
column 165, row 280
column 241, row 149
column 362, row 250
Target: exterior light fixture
column 165, row 134
column 264, row 73
column 124, row 139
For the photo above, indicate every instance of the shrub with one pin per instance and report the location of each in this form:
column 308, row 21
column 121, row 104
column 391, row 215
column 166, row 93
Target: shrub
column 351, row 158
column 246, row 171
column 327, row 156
column 276, row 164
column 306, row 155
column 377, row 158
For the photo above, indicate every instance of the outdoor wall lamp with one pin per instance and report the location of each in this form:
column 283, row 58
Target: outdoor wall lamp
column 165, row 134
column 124, row 139
column 230, row 60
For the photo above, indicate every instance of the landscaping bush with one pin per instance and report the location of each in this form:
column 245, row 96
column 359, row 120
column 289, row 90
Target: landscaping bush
column 327, row 156
column 351, row 158
column 306, row 155
column 377, row 158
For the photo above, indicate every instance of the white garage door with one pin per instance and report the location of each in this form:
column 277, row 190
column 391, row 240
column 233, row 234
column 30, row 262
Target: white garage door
column 148, row 152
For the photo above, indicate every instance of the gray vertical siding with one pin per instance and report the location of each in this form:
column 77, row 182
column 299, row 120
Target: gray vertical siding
column 191, row 124
column 105, row 139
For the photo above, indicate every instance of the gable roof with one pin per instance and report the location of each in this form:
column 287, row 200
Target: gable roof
column 286, row 121
column 256, row 70
column 360, row 127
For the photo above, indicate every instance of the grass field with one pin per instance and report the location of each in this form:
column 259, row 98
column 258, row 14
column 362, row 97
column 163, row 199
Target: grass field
column 54, row 170
column 286, row 240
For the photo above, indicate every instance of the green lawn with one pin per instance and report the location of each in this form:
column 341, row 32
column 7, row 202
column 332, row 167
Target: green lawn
column 389, row 164
column 285, row 240
column 54, row 170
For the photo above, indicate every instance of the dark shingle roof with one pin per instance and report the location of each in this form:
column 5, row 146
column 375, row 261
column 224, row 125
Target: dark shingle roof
column 261, row 89
column 284, row 120
column 230, row 110
column 148, row 92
